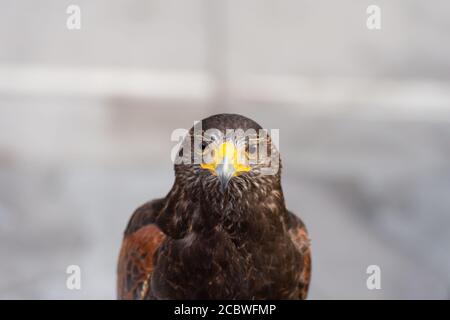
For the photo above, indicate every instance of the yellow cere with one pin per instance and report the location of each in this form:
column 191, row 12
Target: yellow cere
column 226, row 150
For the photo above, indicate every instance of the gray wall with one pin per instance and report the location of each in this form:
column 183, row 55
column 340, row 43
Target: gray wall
column 86, row 118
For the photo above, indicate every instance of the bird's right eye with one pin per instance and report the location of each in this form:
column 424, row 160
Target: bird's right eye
column 204, row 145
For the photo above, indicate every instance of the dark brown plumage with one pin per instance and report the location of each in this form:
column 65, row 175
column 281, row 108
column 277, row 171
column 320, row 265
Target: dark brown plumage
column 210, row 239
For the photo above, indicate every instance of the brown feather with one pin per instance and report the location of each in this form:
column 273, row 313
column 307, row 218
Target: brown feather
column 299, row 236
column 137, row 261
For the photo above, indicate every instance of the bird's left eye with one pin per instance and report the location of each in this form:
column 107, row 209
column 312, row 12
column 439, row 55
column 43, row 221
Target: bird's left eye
column 251, row 148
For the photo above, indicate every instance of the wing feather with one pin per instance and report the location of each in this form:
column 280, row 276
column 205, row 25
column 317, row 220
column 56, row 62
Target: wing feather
column 138, row 253
column 300, row 238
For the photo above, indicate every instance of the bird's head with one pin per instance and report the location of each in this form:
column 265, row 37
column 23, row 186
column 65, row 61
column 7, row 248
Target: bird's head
column 228, row 152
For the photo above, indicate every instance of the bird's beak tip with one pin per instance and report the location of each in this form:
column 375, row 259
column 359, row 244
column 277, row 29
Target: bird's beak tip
column 223, row 186
column 225, row 174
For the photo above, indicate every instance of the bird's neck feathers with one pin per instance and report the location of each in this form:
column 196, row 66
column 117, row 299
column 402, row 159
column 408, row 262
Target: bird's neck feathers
column 247, row 211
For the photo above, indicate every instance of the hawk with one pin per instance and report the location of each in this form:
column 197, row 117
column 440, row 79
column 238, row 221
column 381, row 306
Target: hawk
column 223, row 230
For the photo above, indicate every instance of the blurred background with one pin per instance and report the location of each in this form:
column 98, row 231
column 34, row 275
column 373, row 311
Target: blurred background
column 86, row 117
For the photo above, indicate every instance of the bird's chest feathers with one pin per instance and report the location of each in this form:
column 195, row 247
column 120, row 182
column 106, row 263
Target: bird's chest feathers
column 226, row 252
column 215, row 266
column 200, row 266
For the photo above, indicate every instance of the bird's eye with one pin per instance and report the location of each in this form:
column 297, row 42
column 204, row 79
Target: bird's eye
column 251, row 148
column 204, row 145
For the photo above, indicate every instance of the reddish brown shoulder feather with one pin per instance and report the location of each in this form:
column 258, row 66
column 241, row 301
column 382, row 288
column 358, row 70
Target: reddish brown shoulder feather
column 137, row 261
column 299, row 236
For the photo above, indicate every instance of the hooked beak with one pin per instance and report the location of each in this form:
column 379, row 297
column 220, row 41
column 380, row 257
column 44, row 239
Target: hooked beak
column 224, row 172
column 225, row 163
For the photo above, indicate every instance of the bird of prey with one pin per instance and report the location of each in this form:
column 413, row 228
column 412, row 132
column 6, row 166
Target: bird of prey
column 223, row 230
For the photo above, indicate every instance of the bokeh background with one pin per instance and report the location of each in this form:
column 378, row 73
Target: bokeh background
column 86, row 118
